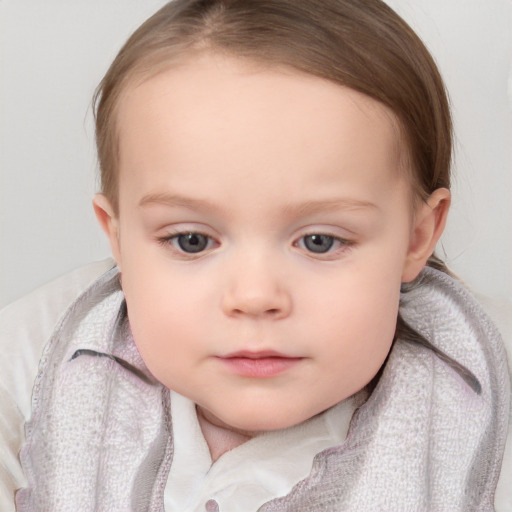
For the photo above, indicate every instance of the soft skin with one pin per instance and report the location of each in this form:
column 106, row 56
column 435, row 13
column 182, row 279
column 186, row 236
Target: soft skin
column 256, row 159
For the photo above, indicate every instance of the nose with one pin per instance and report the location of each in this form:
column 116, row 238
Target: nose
column 255, row 289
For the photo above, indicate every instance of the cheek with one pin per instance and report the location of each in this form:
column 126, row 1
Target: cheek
column 355, row 323
column 166, row 318
column 149, row 321
column 154, row 331
column 365, row 321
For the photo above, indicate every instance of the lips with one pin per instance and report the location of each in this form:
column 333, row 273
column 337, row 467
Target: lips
column 260, row 364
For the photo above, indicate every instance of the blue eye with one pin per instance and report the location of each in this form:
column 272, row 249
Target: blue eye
column 190, row 242
column 318, row 243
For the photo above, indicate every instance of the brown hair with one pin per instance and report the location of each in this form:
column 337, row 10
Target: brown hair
column 361, row 44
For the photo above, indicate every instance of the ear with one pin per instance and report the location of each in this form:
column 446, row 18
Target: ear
column 428, row 226
column 109, row 222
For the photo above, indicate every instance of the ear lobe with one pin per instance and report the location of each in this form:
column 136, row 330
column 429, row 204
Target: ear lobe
column 428, row 226
column 109, row 222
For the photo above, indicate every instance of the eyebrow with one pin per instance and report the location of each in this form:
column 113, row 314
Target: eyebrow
column 329, row 205
column 174, row 200
column 302, row 209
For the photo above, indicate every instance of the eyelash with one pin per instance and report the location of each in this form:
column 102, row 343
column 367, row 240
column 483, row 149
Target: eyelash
column 342, row 245
column 168, row 241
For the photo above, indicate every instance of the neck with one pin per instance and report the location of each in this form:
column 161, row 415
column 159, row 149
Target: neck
column 220, row 437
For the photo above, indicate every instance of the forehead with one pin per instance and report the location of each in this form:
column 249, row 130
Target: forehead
column 220, row 112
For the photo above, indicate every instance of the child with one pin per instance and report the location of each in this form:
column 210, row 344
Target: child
column 277, row 334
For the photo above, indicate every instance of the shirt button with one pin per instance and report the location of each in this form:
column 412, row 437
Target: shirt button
column 211, row 506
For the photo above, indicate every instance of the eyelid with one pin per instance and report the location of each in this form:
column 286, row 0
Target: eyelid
column 341, row 234
column 184, row 228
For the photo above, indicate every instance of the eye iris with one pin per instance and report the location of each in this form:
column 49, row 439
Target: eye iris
column 192, row 242
column 318, row 243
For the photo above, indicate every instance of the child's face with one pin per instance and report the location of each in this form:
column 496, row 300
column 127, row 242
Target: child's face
column 283, row 299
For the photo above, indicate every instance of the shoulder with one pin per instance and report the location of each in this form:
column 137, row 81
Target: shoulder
column 25, row 327
column 500, row 310
column 468, row 327
column 39, row 310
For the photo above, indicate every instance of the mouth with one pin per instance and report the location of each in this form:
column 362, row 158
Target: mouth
column 260, row 364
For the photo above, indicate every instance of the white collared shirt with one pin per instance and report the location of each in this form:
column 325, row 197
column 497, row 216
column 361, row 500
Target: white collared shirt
column 259, row 470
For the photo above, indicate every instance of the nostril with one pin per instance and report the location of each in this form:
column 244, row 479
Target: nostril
column 260, row 303
column 265, row 312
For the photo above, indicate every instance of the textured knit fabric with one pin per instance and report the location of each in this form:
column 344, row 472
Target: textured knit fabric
column 100, row 437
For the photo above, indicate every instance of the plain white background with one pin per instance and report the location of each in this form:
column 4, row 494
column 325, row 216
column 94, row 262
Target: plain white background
column 53, row 54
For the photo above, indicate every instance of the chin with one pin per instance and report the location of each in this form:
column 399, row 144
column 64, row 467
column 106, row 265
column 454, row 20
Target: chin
column 264, row 421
